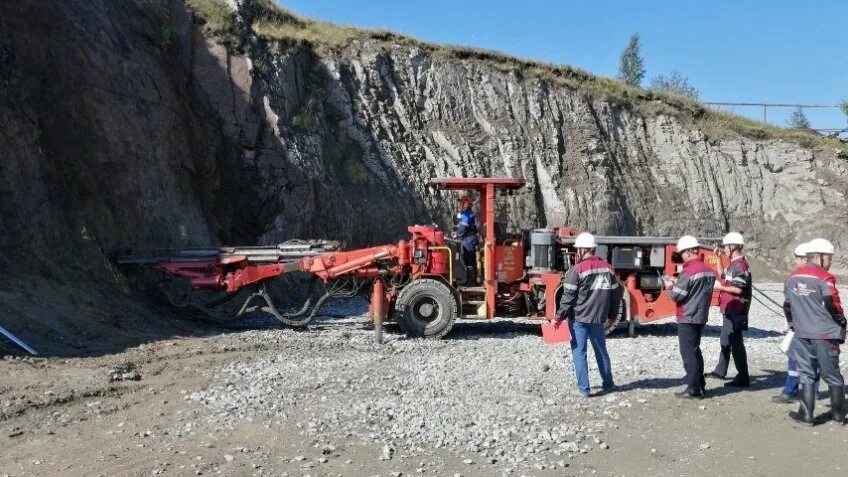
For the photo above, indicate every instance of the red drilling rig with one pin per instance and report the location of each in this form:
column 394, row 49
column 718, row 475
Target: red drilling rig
column 416, row 282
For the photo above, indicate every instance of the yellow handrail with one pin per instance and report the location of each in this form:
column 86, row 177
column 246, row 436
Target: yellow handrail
column 450, row 260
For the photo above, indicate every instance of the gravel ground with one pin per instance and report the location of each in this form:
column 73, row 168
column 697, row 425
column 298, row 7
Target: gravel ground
column 491, row 399
column 492, row 392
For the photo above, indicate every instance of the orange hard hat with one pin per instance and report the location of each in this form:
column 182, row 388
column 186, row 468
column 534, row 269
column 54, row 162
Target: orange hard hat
column 466, row 199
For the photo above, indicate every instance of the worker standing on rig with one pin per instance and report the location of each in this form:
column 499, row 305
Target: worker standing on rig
column 790, row 387
column 814, row 311
column 692, row 291
column 734, row 301
column 589, row 298
column 467, row 232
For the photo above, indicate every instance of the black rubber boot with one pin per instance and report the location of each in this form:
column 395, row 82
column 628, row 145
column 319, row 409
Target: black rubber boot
column 837, row 403
column 807, row 401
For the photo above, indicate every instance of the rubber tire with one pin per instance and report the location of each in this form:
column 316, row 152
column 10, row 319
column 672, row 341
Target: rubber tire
column 609, row 327
column 416, row 328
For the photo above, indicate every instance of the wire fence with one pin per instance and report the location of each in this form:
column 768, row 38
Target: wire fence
column 731, row 107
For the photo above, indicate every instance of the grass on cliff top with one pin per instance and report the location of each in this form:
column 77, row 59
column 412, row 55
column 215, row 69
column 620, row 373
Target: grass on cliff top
column 272, row 22
column 218, row 15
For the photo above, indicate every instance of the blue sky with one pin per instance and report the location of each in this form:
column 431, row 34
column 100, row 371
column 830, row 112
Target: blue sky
column 777, row 51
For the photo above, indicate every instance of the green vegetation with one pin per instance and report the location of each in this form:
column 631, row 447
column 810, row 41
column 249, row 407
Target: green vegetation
column 631, row 69
column 356, row 171
column 305, row 115
column 276, row 24
column 844, row 106
column 166, row 36
column 798, row 120
column 675, row 83
column 718, row 123
column 218, row 15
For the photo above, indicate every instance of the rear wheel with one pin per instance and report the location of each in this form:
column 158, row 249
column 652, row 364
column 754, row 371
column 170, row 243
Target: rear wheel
column 610, row 326
column 425, row 308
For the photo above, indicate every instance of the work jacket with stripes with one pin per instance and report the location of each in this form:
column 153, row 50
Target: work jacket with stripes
column 693, row 292
column 812, row 305
column 590, row 292
column 737, row 274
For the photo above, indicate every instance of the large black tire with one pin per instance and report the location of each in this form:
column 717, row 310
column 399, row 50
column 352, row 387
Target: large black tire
column 425, row 308
column 610, row 326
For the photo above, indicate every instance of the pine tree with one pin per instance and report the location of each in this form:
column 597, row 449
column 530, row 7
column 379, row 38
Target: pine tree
column 631, row 69
column 798, row 120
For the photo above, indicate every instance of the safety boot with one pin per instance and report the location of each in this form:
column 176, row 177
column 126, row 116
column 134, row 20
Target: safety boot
column 807, row 401
column 837, row 404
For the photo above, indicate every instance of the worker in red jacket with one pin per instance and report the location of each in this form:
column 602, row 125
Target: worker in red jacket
column 735, row 301
column 814, row 311
column 692, row 291
column 590, row 296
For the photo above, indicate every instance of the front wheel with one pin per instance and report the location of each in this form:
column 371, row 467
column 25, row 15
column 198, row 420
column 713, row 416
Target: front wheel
column 425, row 308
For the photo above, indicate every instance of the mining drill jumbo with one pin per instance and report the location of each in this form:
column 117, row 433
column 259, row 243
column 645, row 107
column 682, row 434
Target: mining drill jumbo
column 419, row 283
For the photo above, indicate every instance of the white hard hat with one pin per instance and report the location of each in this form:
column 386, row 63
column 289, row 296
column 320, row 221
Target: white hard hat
column 733, row 238
column 821, row 246
column 687, row 242
column 801, row 250
column 585, row 240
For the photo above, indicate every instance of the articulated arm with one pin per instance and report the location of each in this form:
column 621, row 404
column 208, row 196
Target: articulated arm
column 230, row 273
column 356, row 262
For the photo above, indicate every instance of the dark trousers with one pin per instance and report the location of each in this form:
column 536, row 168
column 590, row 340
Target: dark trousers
column 689, row 337
column 732, row 344
column 818, row 358
column 469, row 259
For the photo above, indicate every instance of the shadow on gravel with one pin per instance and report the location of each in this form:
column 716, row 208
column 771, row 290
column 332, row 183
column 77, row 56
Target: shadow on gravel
column 670, row 329
column 769, row 379
column 503, row 329
column 474, row 330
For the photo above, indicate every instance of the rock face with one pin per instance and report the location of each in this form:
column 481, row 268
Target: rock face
column 124, row 124
column 352, row 134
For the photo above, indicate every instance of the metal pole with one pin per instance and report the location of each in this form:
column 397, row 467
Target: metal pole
column 765, row 114
column 378, row 309
column 14, row 339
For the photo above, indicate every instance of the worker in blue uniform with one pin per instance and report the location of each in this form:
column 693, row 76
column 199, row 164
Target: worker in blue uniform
column 467, row 232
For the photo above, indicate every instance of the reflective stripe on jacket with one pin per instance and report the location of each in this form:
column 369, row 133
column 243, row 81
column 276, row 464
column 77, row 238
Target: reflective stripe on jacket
column 737, row 274
column 812, row 304
column 693, row 292
column 590, row 291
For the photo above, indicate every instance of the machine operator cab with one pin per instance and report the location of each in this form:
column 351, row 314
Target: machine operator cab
column 496, row 262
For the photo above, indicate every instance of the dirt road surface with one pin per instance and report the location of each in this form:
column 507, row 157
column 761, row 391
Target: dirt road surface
column 490, row 400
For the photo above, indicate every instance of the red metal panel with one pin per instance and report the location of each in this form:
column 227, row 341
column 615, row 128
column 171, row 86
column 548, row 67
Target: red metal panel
column 552, row 282
column 475, row 183
column 509, row 260
column 552, row 335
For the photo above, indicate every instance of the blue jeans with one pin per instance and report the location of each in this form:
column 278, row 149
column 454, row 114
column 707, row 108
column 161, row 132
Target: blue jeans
column 580, row 334
column 791, row 387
